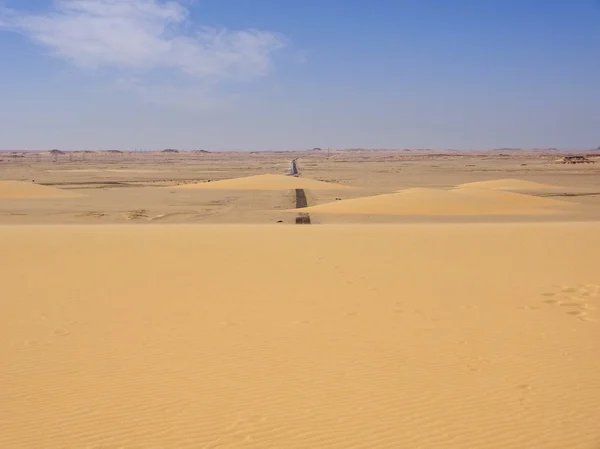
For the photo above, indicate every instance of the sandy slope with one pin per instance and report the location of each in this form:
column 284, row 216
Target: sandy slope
column 24, row 190
column 510, row 184
column 424, row 201
column 428, row 336
column 116, row 187
column 265, row 182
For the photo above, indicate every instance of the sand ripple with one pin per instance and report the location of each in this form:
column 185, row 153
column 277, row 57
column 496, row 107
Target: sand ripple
column 140, row 337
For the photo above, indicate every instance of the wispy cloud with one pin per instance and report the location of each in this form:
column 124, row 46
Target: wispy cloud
column 145, row 35
column 199, row 96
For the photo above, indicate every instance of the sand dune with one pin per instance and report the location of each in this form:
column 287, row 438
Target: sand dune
column 509, row 184
column 424, row 201
column 23, row 190
column 115, row 184
column 428, row 336
column 265, row 182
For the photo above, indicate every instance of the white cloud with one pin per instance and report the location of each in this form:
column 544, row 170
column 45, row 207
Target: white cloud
column 142, row 35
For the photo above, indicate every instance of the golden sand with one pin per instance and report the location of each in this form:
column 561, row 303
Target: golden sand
column 425, row 201
column 428, row 336
column 510, row 184
column 116, row 187
column 30, row 190
column 265, row 182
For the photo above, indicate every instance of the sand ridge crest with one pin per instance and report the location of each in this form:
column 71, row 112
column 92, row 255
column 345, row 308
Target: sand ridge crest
column 460, row 201
column 508, row 184
column 264, row 182
column 31, row 190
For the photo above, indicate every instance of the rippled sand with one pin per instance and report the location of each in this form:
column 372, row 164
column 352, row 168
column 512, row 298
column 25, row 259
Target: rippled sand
column 403, row 336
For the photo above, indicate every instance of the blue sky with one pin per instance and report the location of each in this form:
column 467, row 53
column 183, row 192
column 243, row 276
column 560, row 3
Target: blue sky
column 296, row 74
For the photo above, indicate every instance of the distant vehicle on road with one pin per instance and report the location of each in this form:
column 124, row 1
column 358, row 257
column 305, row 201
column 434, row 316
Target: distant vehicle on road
column 294, row 168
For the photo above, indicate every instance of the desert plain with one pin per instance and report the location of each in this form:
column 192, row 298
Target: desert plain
column 170, row 300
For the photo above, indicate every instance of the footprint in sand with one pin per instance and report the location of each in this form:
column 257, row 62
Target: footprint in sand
column 577, row 300
column 525, row 392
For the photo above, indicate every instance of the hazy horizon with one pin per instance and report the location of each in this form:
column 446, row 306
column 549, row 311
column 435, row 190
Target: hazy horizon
column 324, row 150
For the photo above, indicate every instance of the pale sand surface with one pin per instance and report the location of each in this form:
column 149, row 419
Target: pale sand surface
column 510, row 184
column 401, row 336
column 143, row 187
column 265, row 182
column 30, row 190
column 466, row 201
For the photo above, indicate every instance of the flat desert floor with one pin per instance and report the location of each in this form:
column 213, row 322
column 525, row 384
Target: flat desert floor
column 128, row 188
column 434, row 302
